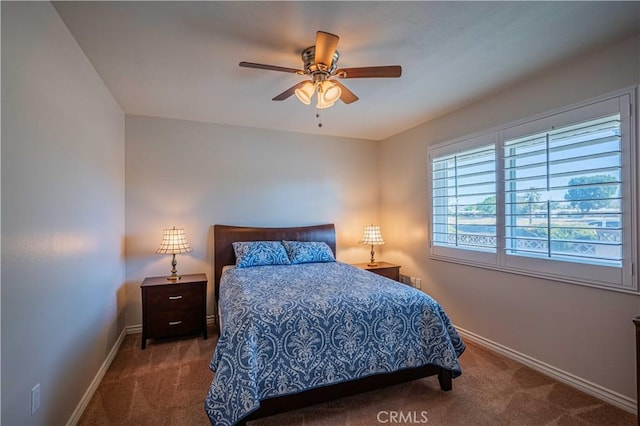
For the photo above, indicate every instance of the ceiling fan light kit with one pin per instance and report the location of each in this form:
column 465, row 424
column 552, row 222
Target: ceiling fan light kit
column 328, row 93
column 321, row 65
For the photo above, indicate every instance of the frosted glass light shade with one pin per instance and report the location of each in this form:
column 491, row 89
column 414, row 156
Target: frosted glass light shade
column 330, row 91
column 322, row 104
column 328, row 94
column 305, row 92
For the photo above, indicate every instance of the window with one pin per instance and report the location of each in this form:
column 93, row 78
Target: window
column 562, row 206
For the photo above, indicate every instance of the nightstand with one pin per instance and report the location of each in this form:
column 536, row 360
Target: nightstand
column 174, row 308
column 385, row 269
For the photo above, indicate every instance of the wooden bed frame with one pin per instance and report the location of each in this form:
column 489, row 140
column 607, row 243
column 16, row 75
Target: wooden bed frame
column 224, row 236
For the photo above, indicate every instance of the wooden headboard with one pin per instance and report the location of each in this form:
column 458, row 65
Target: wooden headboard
column 225, row 235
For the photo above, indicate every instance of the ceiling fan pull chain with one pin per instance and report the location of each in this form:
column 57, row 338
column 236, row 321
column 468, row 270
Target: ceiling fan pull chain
column 319, row 89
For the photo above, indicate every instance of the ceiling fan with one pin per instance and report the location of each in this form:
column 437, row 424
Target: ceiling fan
column 321, row 65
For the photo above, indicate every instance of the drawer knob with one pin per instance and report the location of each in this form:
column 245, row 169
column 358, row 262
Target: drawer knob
column 175, row 297
column 175, row 322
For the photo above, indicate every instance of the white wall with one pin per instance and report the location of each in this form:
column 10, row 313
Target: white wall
column 584, row 331
column 194, row 175
column 62, row 217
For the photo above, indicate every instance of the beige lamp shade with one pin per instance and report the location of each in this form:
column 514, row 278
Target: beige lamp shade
column 372, row 236
column 174, row 241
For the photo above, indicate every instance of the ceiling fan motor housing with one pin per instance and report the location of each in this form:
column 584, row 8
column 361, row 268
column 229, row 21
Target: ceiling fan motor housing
column 323, row 71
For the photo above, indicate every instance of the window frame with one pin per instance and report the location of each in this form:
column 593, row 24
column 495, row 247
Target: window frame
column 608, row 277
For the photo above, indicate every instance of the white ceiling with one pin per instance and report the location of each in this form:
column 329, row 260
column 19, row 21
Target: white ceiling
column 180, row 59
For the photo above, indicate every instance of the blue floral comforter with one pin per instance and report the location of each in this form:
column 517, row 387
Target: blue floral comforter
column 289, row 328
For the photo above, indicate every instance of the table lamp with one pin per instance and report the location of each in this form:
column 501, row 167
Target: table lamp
column 373, row 237
column 174, row 242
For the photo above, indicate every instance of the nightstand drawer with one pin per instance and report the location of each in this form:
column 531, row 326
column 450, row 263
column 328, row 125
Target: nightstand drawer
column 174, row 297
column 173, row 323
column 393, row 273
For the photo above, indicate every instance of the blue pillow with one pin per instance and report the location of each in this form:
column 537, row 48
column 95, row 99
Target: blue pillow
column 260, row 253
column 308, row 252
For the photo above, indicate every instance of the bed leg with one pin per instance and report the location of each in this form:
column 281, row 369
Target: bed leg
column 444, row 377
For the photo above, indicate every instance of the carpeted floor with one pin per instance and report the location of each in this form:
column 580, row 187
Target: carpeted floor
column 166, row 383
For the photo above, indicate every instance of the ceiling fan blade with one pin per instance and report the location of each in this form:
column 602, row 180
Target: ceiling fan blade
column 270, row 67
column 347, row 95
column 370, row 72
column 290, row 91
column 326, row 45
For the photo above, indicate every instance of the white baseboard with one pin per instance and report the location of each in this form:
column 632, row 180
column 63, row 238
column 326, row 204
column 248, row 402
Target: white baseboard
column 134, row 329
column 600, row 392
column 82, row 405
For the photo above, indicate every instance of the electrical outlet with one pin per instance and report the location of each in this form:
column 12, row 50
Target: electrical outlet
column 35, row 398
column 412, row 281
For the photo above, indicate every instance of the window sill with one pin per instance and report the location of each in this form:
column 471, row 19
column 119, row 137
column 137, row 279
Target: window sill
column 539, row 275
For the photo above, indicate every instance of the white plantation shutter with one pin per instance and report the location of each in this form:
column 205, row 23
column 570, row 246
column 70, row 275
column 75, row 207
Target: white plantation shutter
column 463, row 202
column 568, row 204
column 563, row 204
column 562, row 193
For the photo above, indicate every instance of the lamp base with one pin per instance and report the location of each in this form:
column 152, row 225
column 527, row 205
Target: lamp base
column 372, row 261
column 174, row 273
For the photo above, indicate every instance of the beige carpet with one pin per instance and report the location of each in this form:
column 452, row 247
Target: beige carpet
column 166, row 385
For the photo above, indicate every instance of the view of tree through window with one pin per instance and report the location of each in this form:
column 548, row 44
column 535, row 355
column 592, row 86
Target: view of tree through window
column 562, row 193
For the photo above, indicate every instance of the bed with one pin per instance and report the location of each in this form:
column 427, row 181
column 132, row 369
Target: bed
column 284, row 346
